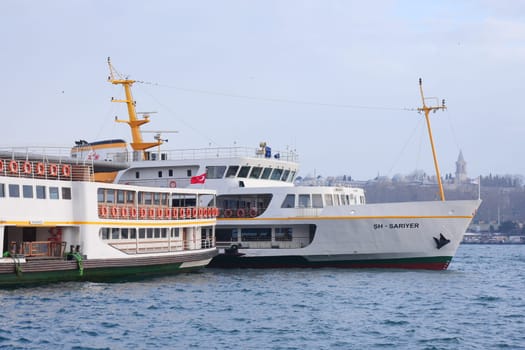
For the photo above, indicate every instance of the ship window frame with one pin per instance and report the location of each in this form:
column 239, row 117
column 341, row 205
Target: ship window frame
column 110, row 196
column 244, row 171
column 329, row 199
column 137, row 175
column 283, row 234
column 232, row 171
column 215, row 171
column 256, row 172
column 292, row 176
column 276, row 174
column 14, row 191
column 27, row 191
column 317, row 200
column 104, row 233
column 289, row 201
column 53, row 192
column 121, row 196
column 130, row 197
column 266, row 173
column 256, row 234
column 170, row 172
column 66, row 192
column 40, row 192
column 301, row 203
column 286, row 173
column 2, row 190
column 115, row 233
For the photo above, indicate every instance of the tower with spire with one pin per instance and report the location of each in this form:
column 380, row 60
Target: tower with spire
column 461, row 169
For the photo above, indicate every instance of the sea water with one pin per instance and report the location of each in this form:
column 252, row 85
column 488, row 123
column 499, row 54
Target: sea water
column 479, row 303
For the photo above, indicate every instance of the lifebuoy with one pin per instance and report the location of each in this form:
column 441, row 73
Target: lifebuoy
column 167, row 213
column 175, row 213
column 182, row 213
column 133, row 212
column 124, row 212
column 40, row 169
column 114, row 212
column 13, row 166
column 173, row 184
column 151, row 213
column 194, row 212
column 253, row 212
column 143, row 213
column 228, row 213
column 160, row 213
column 199, row 213
column 27, row 168
column 53, row 169
column 188, row 212
column 66, row 170
column 240, row 213
column 1, row 165
column 103, row 212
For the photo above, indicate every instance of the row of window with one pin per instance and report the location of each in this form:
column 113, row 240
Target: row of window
column 111, row 196
column 282, row 234
column 117, row 233
column 256, row 172
column 30, row 191
column 316, row 200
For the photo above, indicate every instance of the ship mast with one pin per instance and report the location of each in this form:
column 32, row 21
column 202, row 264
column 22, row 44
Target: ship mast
column 134, row 122
column 427, row 110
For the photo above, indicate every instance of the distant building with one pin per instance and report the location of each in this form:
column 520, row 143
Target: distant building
column 461, row 170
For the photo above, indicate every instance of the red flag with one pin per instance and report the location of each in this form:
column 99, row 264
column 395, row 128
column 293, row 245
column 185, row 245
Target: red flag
column 198, row 179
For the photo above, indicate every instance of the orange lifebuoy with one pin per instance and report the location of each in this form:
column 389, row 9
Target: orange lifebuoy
column 151, row 213
column 13, row 166
column 173, row 183
column 114, row 212
column 133, row 212
column 124, row 212
column 160, row 213
column 53, row 169
column 228, row 213
column 240, row 213
column 66, row 170
column 199, row 213
column 175, row 213
column 143, row 213
column 167, row 213
column 182, row 213
column 40, row 169
column 103, row 211
column 27, row 168
column 194, row 212
column 253, row 212
column 188, row 212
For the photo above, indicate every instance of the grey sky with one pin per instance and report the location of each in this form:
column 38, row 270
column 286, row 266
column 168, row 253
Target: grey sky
column 291, row 73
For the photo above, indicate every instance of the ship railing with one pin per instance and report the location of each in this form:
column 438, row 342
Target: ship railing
column 201, row 153
column 41, row 249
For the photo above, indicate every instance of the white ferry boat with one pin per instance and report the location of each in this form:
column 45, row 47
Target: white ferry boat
column 58, row 224
column 265, row 221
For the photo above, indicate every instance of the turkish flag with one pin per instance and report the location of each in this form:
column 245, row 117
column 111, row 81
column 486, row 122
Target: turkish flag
column 198, row 179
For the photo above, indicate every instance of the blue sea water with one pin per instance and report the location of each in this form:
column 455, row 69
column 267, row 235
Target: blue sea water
column 479, row 303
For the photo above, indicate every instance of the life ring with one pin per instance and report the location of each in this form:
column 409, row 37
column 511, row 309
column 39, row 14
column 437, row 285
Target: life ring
column 241, row 213
column 173, row 183
column 182, row 213
column 114, row 212
column 103, row 211
column 66, row 170
column 13, row 166
column 194, row 212
column 1, row 165
column 151, row 213
column 188, row 212
column 40, row 169
column 160, row 213
column 200, row 213
column 53, row 169
column 143, row 212
column 167, row 213
column 27, row 168
column 124, row 212
column 175, row 213
column 133, row 212
column 253, row 212
column 228, row 213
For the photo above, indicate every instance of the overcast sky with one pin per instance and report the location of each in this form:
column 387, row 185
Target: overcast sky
column 334, row 80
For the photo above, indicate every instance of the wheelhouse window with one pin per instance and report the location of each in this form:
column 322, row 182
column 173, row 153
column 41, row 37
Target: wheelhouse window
column 292, row 176
column 130, row 197
column 215, row 172
column 256, row 172
column 232, row 171
column 110, row 196
column 266, row 173
column 317, row 201
column 244, row 171
column 120, row 196
column 289, row 201
column 285, row 175
column 27, row 191
column 14, row 191
column 100, row 195
column 276, row 174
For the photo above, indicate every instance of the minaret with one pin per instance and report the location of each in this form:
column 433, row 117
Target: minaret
column 461, row 169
